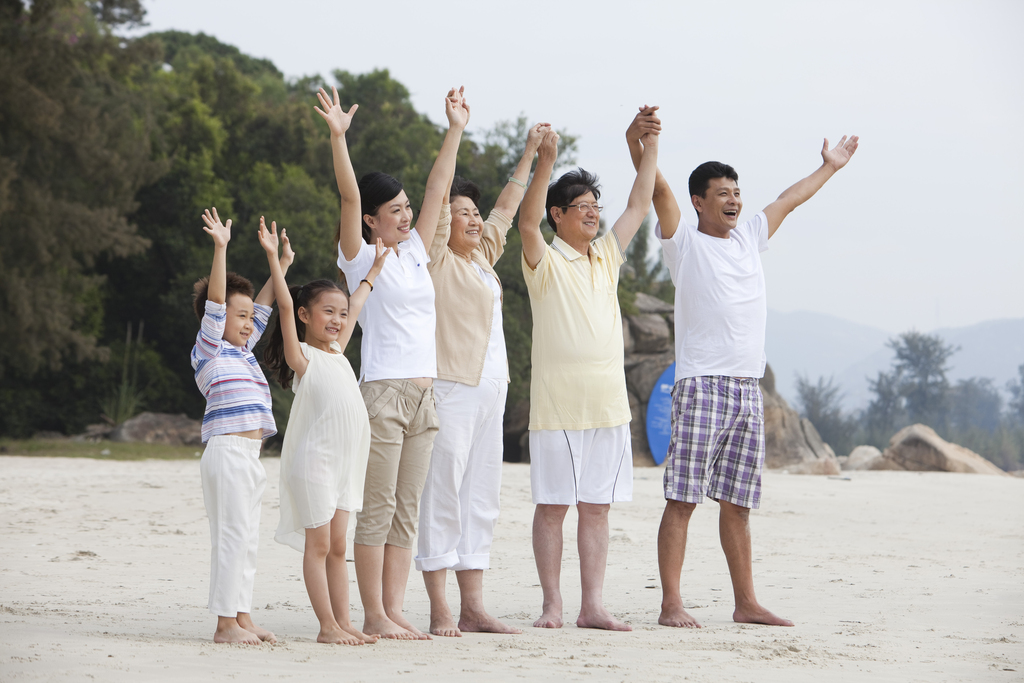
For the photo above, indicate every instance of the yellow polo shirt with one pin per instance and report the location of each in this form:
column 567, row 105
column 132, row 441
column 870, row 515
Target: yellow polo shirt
column 578, row 381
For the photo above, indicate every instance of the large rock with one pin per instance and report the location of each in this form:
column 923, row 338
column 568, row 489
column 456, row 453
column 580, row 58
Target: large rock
column 862, row 458
column 650, row 333
column 645, row 303
column 918, row 448
column 172, row 430
column 638, row 432
column 791, row 442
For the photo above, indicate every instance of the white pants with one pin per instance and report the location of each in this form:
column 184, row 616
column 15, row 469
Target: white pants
column 568, row 467
column 459, row 505
column 233, row 483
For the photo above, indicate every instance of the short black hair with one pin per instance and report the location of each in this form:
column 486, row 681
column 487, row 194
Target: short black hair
column 567, row 188
column 701, row 177
column 236, row 284
column 464, row 188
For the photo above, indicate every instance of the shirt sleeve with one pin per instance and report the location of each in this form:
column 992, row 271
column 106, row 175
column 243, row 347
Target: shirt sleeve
column 439, row 247
column 760, row 229
column 610, row 248
column 538, row 279
column 211, row 332
column 492, row 240
column 672, row 247
column 356, row 269
column 260, row 317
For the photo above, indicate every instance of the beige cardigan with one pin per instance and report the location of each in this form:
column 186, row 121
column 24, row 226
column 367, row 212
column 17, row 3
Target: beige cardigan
column 464, row 303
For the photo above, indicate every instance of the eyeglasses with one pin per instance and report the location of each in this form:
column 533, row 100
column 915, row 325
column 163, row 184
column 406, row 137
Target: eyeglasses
column 585, row 207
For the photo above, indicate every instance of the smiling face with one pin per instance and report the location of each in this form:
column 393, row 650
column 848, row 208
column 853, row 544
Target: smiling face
column 466, row 226
column 392, row 222
column 325, row 318
column 239, row 326
column 719, row 208
column 575, row 225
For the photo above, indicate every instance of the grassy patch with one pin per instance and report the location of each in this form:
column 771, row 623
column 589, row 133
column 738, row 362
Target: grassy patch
column 102, row 450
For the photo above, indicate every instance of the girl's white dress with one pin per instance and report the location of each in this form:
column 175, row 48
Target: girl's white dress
column 326, row 445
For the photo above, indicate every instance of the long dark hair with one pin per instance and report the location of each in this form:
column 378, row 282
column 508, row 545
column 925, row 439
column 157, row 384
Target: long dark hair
column 302, row 297
column 375, row 189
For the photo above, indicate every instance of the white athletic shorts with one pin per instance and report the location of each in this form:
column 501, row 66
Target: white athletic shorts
column 568, row 466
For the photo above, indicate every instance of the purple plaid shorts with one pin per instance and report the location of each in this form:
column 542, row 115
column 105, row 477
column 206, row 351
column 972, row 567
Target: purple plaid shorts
column 717, row 446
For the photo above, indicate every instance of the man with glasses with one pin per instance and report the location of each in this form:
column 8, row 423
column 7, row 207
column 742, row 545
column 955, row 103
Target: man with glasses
column 580, row 451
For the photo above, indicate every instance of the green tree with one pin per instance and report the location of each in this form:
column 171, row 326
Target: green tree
column 975, row 403
column 1016, row 389
column 921, row 365
column 821, row 403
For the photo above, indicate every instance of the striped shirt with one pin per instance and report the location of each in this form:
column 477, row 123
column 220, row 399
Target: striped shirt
column 230, row 377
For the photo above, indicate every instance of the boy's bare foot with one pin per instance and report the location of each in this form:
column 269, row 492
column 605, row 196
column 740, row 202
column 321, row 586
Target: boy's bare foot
column 245, row 621
column 601, row 619
column 235, row 634
column 758, row 615
column 404, row 623
column 385, row 628
column 442, row 623
column 353, row 631
column 675, row 615
column 337, row 636
column 483, row 623
column 549, row 619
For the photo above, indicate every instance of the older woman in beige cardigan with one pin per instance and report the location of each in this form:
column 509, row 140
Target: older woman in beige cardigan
column 459, row 505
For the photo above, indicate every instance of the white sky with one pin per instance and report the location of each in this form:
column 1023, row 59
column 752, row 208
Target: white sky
column 923, row 229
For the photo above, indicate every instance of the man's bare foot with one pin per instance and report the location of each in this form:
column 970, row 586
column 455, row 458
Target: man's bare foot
column 549, row 619
column 245, row 621
column 353, row 631
column 758, row 615
column 404, row 623
column 337, row 636
column 484, row 623
column 385, row 628
column 676, row 616
column 444, row 625
column 603, row 620
column 235, row 634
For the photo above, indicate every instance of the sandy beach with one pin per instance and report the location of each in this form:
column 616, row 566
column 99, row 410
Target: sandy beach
column 892, row 576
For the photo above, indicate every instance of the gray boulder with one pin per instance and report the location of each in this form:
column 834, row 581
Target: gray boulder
column 862, row 458
column 650, row 333
column 163, row 428
column 791, row 442
column 645, row 303
column 918, row 448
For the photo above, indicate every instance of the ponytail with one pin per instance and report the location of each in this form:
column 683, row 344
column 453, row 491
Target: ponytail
column 302, row 297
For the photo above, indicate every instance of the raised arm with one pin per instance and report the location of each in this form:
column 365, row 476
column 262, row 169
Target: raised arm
column 266, row 295
column 536, row 197
column 665, row 204
column 285, row 306
column 217, row 288
column 515, row 189
column 643, row 189
column 457, row 110
column 831, row 161
column 362, row 292
column 348, row 186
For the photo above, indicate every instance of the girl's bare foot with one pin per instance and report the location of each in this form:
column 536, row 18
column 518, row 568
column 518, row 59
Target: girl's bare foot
column 404, row 623
column 385, row 628
column 353, row 631
column 335, row 635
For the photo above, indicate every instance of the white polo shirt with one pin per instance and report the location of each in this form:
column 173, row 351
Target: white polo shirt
column 398, row 317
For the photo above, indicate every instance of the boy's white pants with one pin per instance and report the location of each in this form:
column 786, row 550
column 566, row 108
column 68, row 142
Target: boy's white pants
column 233, row 483
column 460, row 501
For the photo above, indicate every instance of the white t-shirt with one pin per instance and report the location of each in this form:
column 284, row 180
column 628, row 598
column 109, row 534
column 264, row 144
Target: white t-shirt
column 495, row 362
column 398, row 318
column 721, row 305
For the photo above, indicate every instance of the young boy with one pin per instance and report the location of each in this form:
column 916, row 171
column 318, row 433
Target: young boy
column 238, row 417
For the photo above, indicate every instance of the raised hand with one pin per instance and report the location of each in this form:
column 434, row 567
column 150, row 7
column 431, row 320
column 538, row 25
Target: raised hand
column 378, row 261
column 268, row 238
column 287, row 255
column 838, row 156
column 549, row 145
column 456, row 108
column 333, row 114
column 536, row 135
column 220, row 232
column 644, row 123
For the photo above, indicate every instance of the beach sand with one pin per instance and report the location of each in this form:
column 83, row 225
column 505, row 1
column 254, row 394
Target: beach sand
column 892, row 576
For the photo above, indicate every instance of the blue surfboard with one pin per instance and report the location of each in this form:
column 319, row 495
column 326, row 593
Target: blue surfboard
column 659, row 415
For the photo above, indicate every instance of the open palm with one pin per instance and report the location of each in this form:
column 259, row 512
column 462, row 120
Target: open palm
column 337, row 119
column 838, row 156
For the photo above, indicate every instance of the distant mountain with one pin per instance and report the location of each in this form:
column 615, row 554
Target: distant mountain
column 819, row 345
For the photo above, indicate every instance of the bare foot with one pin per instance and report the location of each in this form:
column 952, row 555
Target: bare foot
column 245, row 621
column 444, row 626
column 603, row 620
column 404, row 623
column 353, row 631
column 236, row 634
column 484, row 623
column 550, row 618
column 385, row 628
column 675, row 615
column 337, row 636
column 759, row 615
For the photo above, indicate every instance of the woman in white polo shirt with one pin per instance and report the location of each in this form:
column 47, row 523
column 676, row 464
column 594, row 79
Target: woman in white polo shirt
column 460, row 499
column 398, row 358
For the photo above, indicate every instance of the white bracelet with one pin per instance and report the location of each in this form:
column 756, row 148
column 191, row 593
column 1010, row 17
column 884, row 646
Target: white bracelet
column 517, row 181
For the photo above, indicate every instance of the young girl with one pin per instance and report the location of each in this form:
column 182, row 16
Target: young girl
column 323, row 460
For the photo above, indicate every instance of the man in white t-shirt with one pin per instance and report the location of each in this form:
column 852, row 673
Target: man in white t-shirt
column 717, row 444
